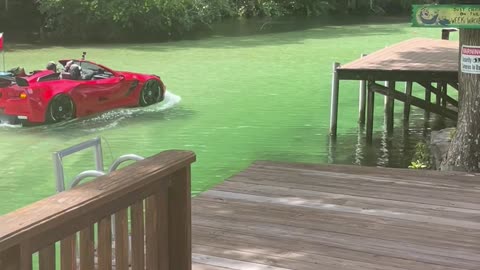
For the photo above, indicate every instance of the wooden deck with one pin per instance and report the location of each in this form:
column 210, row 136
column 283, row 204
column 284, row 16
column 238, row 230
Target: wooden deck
column 406, row 61
column 283, row 216
column 430, row 63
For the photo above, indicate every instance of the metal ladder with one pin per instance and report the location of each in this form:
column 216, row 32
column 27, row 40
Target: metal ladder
column 99, row 171
column 98, row 156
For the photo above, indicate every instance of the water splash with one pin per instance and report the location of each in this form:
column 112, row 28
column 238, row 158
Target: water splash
column 7, row 125
column 109, row 119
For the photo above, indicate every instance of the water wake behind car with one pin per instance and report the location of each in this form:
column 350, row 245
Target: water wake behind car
column 109, row 119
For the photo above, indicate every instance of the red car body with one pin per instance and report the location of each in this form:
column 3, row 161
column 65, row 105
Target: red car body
column 29, row 98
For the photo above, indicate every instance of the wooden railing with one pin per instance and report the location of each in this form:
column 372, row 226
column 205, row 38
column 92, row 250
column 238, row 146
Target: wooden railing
column 156, row 194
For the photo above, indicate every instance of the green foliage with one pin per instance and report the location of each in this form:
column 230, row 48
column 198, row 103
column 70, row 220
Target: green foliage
column 163, row 19
column 422, row 157
column 417, row 165
column 117, row 19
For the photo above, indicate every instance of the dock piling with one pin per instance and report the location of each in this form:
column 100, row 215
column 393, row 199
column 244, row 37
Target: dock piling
column 362, row 93
column 334, row 100
column 444, row 91
column 406, row 108
column 370, row 111
column 428, row 99
column 438, row 97
column 389, row 105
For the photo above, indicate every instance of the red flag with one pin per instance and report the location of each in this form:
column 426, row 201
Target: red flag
column 1, row 41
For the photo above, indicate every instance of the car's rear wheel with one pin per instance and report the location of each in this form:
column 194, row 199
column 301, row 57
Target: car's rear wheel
column 61, row 108
column 150, row 93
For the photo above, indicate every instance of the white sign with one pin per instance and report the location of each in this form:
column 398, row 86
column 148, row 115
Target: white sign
column 470, row 59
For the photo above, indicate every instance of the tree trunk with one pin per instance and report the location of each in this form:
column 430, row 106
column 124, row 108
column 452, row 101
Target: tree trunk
column 464, row 151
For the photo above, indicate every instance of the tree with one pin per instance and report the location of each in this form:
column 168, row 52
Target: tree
column 464, row 151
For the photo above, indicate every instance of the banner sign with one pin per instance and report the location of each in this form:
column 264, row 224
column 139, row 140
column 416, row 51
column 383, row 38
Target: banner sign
column 470, row 59
column 457, row 16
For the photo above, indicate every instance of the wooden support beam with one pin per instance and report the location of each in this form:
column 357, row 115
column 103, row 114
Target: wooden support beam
column 428, row 98
column 334, row 100
column 370, row 111
column 362, row 93
column 180, row 221
column 444, row 91
column 415, row 101
column 453, row 84
column 408, row 94
column 439, row 92
column 389, row 106
column 438, row 96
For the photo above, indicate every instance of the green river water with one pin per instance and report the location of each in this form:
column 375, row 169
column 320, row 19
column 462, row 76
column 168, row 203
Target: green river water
column 252, row 91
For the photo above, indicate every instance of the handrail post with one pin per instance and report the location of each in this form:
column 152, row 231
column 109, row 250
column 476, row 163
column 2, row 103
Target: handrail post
column 180, row 221
column 10, row 259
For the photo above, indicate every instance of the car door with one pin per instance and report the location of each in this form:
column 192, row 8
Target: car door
column 102, row 93
column 99, row 89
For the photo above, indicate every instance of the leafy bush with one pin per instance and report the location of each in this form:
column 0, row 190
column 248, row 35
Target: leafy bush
column 422, row 157
column 110, row 20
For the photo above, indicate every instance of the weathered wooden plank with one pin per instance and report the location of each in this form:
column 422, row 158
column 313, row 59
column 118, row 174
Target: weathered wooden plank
column 432, row 178
column 87, row 246
column 412, row 252
column 201, row 266
column 121, row 240
column 68, row 255
column 179, row 221
column 47, row 258
column 10, row 259
column 105, row 243
column 340, row 179
column 384, row 228
column 304, row 216
column 411, row 55
column 138, row 236
column 399, row 190
column 156, row 230
column 308, row 251
column 393, row 208
column 232, row 263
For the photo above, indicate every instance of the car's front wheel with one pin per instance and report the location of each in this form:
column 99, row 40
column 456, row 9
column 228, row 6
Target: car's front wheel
column 61, row 108
column 150, row 93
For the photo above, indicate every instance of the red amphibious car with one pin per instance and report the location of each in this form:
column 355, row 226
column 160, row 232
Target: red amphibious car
column 81, row 88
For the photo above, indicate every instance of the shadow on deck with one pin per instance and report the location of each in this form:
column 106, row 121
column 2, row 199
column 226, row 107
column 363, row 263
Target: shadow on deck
column 286, row 216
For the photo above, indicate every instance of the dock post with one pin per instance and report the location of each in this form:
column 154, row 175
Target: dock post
column 438, row 98
column 406, row 108
column 362, row 99
column 444, row 91
column 334, row 101
column 428, row 99
column 389, row 106
column 370, row 111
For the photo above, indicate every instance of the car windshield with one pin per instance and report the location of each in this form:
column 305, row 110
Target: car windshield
column 89, row 68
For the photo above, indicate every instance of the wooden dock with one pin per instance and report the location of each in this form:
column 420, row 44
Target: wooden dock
column 280, row 216
column 430, row 63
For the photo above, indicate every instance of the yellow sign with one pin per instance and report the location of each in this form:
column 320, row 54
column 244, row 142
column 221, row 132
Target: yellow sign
column 459, row 16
